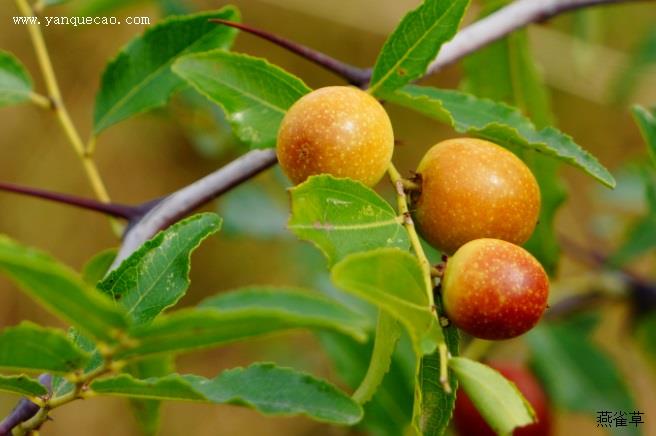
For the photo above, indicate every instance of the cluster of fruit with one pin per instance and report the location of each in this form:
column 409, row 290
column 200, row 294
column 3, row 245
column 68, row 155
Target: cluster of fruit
column 476, row 201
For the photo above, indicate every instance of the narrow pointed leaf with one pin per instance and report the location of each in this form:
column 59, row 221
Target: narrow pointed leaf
column 15, row 81
column 499, row 401
column 415, row 43
column 140, row 77
column 61, row 290
column 264, row 387
column 499, row 123
column 646, row 120
column 156, row 276
column 254, row 93
column 387, row 335
column 29, row 347
column 21, row 385
column 392, row 280
column 342, row 216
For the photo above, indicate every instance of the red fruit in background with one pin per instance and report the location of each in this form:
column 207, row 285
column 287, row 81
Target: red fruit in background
column 468, row 422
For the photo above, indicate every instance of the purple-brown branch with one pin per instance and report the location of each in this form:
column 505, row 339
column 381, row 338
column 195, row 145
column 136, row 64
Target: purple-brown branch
column 354, row 75
column 24, row 410
column 112, row 209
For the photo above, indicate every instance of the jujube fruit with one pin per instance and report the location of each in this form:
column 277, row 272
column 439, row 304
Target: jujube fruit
column 337, row 130
column 471, row 189
column 493, row 289
column 468, row 422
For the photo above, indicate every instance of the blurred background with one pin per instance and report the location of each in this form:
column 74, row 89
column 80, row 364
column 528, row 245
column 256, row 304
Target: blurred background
column 596, row 64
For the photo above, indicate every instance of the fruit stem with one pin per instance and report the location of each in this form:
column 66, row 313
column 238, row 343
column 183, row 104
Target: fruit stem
column 409, row 225
column 410, row 186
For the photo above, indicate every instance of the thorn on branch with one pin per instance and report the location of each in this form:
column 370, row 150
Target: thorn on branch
column 355, row 76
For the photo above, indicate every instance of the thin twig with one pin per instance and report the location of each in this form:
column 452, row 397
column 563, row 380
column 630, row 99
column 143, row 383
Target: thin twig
column 57, row 102
column 354, row 75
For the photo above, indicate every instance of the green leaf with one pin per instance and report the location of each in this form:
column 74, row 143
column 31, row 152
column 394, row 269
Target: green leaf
column 96, row 268
column 499, row 123
column 254, row 93
column 147, row 411
column 577, row 375
column 244, row 314
column 433, row 406
column 29, row 347
column 156, row 276
column 62, row 385
column 646, row 121
column 387, row 335
column 22, row 385
column 505, row 71
column 498, row 400
column 15, row 81
column 342, row 216
column 61, row 290
column 264, row 387
column 414, row 44
column 392, row 280
column 140, row 77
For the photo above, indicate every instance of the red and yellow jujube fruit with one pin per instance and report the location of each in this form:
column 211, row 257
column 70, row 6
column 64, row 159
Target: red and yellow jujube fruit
column 493, row 289
column 336, row 130
column 469, row 422
column 471, row 189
